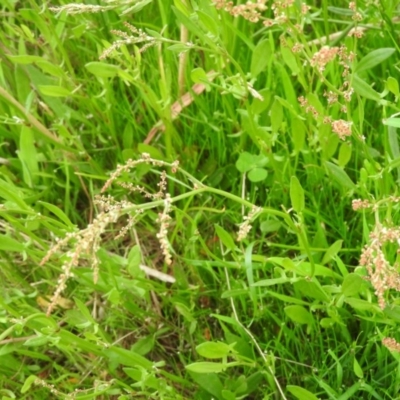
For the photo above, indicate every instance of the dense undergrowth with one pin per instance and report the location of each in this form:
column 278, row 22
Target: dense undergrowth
column 199, row 200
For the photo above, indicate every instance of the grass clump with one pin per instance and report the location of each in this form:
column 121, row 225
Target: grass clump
column 199, row 200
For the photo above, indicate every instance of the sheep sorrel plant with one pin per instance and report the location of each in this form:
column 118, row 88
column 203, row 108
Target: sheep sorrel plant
column 245, row 243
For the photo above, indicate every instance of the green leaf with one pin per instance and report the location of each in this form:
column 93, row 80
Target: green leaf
column 184, row 310
column 28, row 383
column 205, row 367
column 209, row 382
column 225, row 237
column 276, row 115
column 54, row 91
column 58, row 213
column 247, row 162
column 24, row 59
column 102, row 70
column 332, row 251
column 136, row 7
column 198, row 75
column 51, row 69
column 357, row 369
column 143, row 346
column 28, row 156
column 296, row 194
column 352, row 284
column 214, row 349
column 395, row 122
column 134, row 259
column 298, row 134
column 299, row 314
column 7, row 243
column 290, row 59
column 301, row 393
column 393, row 86
column 260, row 57
column 374, row 58
column 340, row 176
column 311, row 289
column 362, row 305
column 209, row 23
column 363, row 89
column 257, row 174
column 344, row 154
column 127, row 357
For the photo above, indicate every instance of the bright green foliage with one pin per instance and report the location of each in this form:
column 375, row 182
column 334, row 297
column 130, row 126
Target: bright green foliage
column 250, row 279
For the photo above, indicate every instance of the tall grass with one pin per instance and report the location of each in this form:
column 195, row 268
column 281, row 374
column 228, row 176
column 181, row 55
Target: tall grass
column 199, row 200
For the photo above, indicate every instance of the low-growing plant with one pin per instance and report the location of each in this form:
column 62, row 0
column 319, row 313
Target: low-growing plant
column 262, row 263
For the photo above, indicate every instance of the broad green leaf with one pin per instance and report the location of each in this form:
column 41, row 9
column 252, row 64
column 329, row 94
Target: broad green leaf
column 327, row 322
column 24, row 59
column 247, row 161
column 332, row 251
column 134, row 258
column 344, row 154
column 28, row 383
column 290, row 59
column 214, row 349
column 209, row 22
column 260, row 58
column 102, row 70
column 272, row 281
column 286, row 299
column 225, row 237
column 153, row 151
column 198, row 75
column 296, row 194
column 301, row 393
column 206, row 367
column 184, row 310
column 127, row 357
column 299, row 314
column 392, row 312
column 304, row 268
column 28, row 156
column 311, row 289
column 257, row 174
column 393, row 86
column 395, row 122
column 228, row 395
column 362, row 305
column 270, row 226
column 340, row 176
column 54, row 91
column 352, row 284
column 50, row 68
column 58, row 213
column 298, row 134
column 363, row 89
column 7, row 243
column 357, row 369
column 209, row 382
column 143, row 346
column 374, row 58
column 37, row 341
column 137, row 375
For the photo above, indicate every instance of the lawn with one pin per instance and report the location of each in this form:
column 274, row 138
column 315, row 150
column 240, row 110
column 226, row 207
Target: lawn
column 199, row 200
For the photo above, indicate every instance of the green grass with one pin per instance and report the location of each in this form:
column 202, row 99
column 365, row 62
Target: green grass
column 285, row 313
